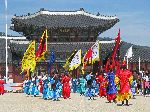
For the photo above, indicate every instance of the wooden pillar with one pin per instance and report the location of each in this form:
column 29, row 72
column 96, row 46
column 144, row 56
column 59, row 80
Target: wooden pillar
column 50, row 36
column 14, row 78
column 77, row 36
column 146, row 65
column 74, row 73
column 78, row 72
column 89, row 35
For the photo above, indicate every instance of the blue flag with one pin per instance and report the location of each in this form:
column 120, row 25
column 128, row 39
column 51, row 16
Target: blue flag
column 51, row 61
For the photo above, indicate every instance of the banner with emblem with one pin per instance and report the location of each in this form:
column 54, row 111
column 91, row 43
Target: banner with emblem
column 66, row 66
column 28, row 61
column 95, row 52
column 42, row 48
column 76, row 61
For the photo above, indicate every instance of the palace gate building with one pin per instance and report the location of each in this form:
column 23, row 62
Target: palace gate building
column 67, row 31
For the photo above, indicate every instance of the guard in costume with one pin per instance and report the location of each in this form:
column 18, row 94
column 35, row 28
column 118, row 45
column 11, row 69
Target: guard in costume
column 66, row 86
column 102, row 83
column 82, row 85
column 2, row 82
column 111, row 87
column 124, row 80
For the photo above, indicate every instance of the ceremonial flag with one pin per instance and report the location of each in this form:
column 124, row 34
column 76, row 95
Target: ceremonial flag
column 112, row 60
column 129, row 52
column 28, row 61
column 95, row 52
column 91, row 55
column 76, row 61
column 51, row 61
column 69, row 60
column 87, row 58
column 42, row 48
column 52, row 58
column 129, row 55
column 117, row 43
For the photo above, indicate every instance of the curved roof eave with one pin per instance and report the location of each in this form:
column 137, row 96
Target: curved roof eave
column 66, row 13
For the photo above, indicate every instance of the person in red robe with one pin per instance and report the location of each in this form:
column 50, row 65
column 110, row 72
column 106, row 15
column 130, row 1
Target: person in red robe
column 2, row 82
column 124, row 80
column 102, row 81
column 66, row 86
column 41, row 85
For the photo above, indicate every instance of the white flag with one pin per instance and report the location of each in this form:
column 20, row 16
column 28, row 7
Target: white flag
column 129, row 52
column 76, row 61
column 95, row 52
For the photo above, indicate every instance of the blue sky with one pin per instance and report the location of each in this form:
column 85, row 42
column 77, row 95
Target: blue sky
column 134, row 15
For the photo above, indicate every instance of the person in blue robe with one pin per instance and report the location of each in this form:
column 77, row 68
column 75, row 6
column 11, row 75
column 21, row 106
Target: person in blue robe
column 59, row 88
column 32, row 87
column 97, row 89
column 94, row 85
column 55, row 88
column 25, row 85
column 111, row 87
column 133, row 86
column 49, row 89
column 89, row 90
column 82, row 85
column 45, row 89
column 28, row 84
column 74, row 84
column 35, row 90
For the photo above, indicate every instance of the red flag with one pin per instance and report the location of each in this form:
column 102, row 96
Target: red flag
column 117, row 67
column 112, row 61
column 117, row 42
column 88, row 54
column 42, row 48
column 87, row 58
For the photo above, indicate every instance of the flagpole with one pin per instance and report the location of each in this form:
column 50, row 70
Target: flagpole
column 6, row 42
column 139, row 64
column 127, row 63
column 124, row 58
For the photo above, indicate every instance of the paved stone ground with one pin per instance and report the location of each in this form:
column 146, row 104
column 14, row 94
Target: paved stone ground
column 19, row 102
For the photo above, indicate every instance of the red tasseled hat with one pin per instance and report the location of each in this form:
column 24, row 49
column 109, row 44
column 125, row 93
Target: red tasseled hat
column 110, row 67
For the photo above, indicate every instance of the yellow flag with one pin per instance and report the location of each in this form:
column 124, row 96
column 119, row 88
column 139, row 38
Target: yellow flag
column 28, row 61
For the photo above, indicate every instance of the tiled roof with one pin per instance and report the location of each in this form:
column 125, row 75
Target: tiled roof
column 74, row 19
column 64, row 50
column 138, row 51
